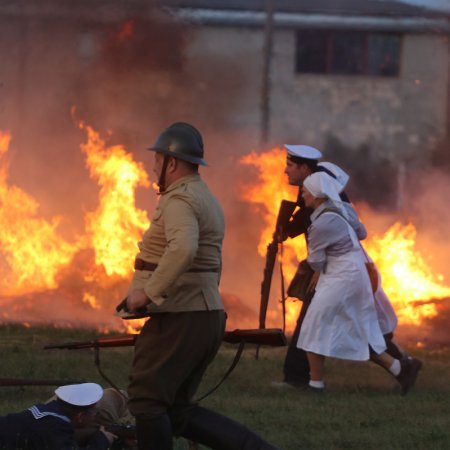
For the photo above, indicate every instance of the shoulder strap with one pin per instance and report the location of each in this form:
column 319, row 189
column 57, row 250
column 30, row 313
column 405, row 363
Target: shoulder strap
column 337, row 212
column 333, row 210
column 225, row 376
column 353, row 235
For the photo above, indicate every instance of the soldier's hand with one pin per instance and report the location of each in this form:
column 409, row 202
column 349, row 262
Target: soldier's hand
column 137, row 300
column 111, row 437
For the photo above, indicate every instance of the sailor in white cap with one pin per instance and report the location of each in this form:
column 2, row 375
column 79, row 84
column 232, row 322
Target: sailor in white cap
column 84, row 394
column 52, row 425
column 302, row 161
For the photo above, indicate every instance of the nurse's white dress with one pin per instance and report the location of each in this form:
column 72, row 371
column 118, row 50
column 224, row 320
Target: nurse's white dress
column 341, row 321
column 387, row 318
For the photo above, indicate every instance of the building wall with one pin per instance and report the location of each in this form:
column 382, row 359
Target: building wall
column 52, row 66
column 397, row 117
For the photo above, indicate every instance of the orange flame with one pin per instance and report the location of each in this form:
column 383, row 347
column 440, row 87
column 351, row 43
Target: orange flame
column 32, row 252
column 33, row 255
column 406, row 276
column 267, row 193
column 115, row 227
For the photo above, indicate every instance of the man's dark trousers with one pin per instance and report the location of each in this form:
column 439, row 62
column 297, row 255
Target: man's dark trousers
column 296, row 367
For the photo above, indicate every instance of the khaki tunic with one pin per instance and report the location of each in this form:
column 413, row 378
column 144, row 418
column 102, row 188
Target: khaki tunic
column 175, row 347
column 186, row 232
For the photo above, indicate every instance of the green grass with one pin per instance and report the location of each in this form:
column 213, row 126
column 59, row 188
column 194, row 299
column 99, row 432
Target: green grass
column 362, row 408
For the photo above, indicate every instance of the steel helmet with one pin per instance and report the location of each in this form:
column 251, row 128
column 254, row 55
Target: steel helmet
column 182, row 141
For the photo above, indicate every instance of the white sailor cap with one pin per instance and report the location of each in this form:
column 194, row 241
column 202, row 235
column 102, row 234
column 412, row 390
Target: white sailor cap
column 84, row 394
column 303, row 151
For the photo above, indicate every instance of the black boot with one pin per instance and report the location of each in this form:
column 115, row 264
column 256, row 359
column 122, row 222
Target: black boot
column 221, row 433
column 410, row 368
column 154, row 433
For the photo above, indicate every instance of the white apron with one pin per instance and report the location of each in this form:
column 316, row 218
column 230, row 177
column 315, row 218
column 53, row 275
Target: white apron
column 387, row 318
column 341, row 320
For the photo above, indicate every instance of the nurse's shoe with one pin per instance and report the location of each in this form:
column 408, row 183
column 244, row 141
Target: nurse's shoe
column 407, row 377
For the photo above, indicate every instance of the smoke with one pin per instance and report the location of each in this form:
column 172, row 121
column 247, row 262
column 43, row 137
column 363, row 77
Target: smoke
column 129, row 76
column 427, row 204
column 424, row 205
column 239, row 314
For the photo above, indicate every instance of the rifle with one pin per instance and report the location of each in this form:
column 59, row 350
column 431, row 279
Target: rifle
column 29, row 382
column 122, row 431
column 273, row 337
column 284, row 214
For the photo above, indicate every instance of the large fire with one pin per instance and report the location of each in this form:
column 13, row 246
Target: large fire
column 115, row 227
column 80, row 280
column 33, row 254
column 406, row 277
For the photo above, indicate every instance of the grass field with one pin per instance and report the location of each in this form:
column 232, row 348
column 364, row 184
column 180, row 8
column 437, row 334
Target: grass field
column 362, row 408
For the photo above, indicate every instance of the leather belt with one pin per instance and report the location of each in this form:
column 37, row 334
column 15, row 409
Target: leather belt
column 140, row 264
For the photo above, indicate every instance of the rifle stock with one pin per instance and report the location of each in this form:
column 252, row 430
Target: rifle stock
column 284, row 214
column 273, row 337
column 122, row 431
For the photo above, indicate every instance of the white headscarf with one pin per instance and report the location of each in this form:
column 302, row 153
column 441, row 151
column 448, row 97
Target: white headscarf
column 341, row 176
column 322, row 185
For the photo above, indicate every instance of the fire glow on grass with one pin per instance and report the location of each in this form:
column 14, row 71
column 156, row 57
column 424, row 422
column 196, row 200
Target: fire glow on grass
column 405, row 274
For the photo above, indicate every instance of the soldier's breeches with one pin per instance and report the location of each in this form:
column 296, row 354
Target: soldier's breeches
column 171, row 355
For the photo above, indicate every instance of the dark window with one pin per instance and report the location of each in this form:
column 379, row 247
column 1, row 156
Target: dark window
column 383, row 54
column 311, row 52
column 348, row 53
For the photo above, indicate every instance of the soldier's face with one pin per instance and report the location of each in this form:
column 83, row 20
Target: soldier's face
column 157, row 164
column 296, row 173
column 85, row 418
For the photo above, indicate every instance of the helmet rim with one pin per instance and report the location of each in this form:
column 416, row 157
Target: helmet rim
column 181, row 141
column 188, row 158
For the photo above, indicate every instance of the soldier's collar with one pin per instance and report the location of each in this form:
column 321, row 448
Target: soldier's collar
column 182, row 180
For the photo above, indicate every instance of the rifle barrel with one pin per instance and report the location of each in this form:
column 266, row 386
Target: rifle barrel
column 273, row 337
column 113, row 341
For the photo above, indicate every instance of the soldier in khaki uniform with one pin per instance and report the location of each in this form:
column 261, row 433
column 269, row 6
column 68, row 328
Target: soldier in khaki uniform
column 177, row 272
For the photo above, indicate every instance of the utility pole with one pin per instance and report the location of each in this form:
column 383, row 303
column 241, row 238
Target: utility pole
column 267, row 59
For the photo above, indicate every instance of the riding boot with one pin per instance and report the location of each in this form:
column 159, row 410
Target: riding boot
column 154, row 433
column 221, row 433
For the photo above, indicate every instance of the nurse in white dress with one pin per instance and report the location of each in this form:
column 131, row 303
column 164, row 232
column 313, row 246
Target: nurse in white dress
column 341, row 321
column 387, row 318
